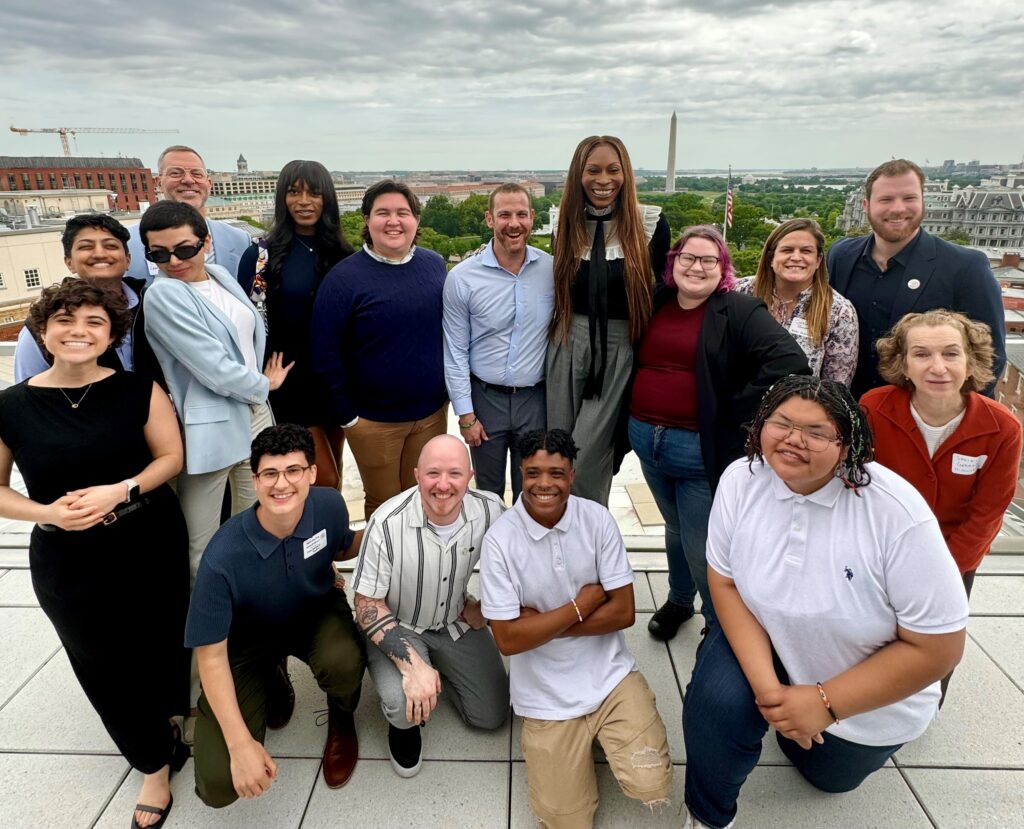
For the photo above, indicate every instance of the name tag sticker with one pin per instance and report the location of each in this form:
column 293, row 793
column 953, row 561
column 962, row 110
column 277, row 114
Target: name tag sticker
column 312, row 546
column 798, row 328
column 967, row 464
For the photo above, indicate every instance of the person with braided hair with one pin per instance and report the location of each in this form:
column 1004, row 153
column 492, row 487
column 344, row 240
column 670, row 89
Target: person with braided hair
column 838, row 606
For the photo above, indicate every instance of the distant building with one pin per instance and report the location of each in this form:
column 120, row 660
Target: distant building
column 458, row 193
column 127, row 178
column 1009, row 388
column 30, row 208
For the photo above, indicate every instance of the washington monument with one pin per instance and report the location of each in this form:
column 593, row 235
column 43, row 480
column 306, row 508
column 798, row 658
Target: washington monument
column 670, row 172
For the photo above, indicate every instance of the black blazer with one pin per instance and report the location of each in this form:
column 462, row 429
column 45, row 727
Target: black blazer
column 949, row 276
column 742, row 352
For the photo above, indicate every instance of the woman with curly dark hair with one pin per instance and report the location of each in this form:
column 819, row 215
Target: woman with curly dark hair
column 838, row 607
column 109, row 552
column 283, row 274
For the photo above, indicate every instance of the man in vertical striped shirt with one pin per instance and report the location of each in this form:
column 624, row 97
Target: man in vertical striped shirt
column 417, row 555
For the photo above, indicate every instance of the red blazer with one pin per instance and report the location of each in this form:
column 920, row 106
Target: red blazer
column 969, row 503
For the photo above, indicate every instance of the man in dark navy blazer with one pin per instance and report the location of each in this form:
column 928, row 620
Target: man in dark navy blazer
column 899, row 268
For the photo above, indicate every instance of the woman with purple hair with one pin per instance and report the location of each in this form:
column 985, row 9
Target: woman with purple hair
column 707, row 358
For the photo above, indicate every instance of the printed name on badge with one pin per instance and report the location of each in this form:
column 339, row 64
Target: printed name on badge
column 967, row 464
column 314, row 544
column 798, row 328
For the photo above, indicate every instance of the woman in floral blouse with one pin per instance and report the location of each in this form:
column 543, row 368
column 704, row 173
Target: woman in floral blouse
column 793, row 282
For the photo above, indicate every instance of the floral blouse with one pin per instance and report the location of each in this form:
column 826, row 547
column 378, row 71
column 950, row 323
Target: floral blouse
column 836, row 357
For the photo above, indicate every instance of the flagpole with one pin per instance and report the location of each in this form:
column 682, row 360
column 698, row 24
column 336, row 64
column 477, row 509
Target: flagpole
column 728, row 207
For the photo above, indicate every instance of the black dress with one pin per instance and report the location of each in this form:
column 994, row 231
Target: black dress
column 117, row 595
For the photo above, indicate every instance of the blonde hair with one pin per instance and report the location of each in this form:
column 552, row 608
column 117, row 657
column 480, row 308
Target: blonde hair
column 572, row 241
column 977, row 337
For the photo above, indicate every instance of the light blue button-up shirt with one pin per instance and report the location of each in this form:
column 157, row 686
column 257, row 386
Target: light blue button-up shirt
column 496, row 323
column 30, row 361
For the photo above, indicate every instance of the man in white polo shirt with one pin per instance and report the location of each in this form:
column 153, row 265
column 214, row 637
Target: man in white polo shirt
column 557, row 588
column 418, row 553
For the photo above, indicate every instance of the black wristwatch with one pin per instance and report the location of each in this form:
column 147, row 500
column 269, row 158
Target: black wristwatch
column 133, row 490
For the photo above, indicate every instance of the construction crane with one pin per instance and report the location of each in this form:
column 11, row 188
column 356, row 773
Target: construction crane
column 64, row 132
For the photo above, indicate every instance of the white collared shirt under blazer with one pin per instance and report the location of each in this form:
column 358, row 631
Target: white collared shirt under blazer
column 403, row 561
column 830, row 575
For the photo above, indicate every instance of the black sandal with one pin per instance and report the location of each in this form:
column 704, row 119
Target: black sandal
column 153, row 810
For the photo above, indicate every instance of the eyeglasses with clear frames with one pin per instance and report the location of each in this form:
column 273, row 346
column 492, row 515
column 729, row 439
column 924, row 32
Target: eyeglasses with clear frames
column 814, row 440
column 292, row 474
column 176, row 173
column 708, row 263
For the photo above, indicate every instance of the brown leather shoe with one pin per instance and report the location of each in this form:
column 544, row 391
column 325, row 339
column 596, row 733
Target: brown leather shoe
column 342, row 749
column 281, row 699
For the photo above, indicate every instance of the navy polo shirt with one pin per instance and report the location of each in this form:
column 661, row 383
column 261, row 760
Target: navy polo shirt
column 252, row 585
column 873, row 293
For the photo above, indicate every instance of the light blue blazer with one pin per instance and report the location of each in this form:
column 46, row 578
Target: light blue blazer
column 205, row 371
column 229, row 243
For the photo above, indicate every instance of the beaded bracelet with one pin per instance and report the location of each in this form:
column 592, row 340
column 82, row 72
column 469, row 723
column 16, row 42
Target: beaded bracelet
column 576, row 608
column 828, row 705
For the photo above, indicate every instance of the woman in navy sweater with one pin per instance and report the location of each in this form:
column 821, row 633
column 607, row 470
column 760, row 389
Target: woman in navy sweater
column 377, row 344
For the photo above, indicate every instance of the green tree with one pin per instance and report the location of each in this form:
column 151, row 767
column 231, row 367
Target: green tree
column 249, row 220
column 744, row 261
column 957, row 235
column 471, row 217
column 352, row 228
column 432, row 240
column 441, row 215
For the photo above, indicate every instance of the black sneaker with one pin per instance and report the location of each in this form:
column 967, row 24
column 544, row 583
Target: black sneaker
column 405, row 745
column 666, row 620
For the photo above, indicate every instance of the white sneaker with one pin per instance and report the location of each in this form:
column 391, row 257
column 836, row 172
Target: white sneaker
column 693, row 823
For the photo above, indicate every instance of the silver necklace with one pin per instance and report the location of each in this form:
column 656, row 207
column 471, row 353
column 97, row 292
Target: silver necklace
column 307, row 247
column 75, row 405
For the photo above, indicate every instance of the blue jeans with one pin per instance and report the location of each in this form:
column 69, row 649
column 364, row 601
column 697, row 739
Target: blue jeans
column 723, row 731
column 674, row 470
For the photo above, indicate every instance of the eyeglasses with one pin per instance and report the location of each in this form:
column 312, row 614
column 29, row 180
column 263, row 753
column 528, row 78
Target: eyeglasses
column 708, row 263
column 292, row 474
column 183, row 252
column 176, row 173
column 815, row 441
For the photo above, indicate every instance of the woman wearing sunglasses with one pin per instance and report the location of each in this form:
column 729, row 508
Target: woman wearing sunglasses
column 705, row 360
column 209, row 340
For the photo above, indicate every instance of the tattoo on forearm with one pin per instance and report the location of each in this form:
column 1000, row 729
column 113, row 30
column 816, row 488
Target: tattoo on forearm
column 379, row 626
column 395, row 646
column 367, row 616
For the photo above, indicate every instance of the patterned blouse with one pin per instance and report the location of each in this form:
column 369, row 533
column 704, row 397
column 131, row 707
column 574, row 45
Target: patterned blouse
column 836, row 357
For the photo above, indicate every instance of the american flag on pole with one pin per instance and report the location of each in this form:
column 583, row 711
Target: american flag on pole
column 728, row 203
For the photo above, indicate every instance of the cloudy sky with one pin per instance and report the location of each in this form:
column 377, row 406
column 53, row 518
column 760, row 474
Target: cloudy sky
column 422, row 84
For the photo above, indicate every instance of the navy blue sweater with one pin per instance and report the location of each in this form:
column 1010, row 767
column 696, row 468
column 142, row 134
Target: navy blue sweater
column 376, row 338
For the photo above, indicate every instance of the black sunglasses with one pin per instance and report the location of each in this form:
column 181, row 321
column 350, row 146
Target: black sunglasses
column 183, row 252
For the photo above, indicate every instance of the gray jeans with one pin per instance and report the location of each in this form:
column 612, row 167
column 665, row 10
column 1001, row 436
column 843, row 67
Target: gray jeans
column 505, row 417
column 472, row 676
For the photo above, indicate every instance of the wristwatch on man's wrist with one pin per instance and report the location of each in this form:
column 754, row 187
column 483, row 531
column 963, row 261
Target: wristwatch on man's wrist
column 133, row 490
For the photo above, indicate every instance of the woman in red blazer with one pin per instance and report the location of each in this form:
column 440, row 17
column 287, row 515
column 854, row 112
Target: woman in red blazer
column 959, row 449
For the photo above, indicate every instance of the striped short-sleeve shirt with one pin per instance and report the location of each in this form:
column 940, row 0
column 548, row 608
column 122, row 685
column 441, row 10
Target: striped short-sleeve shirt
column 403, row 560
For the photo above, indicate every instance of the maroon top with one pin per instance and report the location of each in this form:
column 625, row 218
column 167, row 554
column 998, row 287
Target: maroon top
column 665, row 389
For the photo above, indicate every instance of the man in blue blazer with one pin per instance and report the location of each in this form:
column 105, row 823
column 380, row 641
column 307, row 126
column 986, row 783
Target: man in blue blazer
column 899, row 268
column 181, row 177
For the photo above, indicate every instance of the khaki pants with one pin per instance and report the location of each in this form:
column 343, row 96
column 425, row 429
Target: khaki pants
column 386, row 453
column 560, row 764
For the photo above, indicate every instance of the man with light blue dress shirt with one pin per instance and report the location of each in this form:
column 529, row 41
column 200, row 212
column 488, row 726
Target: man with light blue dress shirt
column 497, row 310
column 96, row 249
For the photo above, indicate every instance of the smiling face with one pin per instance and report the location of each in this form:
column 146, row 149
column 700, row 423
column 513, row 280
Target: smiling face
column 79, row 336
column 547, row 483
column 694, row 284
column 284, row 498
column 305, row 207
column 187, row 270
column 602, row 176
column 97, row 254
column 177, row 181
column 443, row 476
column 392, row 226
column 511, row 220
column 935, row 362
column 896, row 207
column 803, row 471
column 796, row 259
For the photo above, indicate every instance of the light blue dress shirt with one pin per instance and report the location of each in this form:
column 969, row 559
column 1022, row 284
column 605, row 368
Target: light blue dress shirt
column 28, row 356
column 496, row 323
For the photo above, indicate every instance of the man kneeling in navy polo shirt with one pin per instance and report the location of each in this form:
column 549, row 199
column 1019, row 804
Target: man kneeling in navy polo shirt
column 265, row 590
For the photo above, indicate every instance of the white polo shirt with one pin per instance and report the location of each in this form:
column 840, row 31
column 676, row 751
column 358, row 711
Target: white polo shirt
column 525, row 564
column 831, row 574
column 403, row 560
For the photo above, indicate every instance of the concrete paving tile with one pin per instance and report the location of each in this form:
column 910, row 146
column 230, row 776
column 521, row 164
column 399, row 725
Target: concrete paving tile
column 998, row 595
column 14, row 552
column 659, row 587
column 653, row 660
column 53, row 696
column 28, row 641
column 639, row 493
column 16, row 590
column 614, row 809
column 967, row 733
column 643, row 600
column 57, row 790
column 649, row 515
column 1002, row 565
column 441, row 796
column 619, row 498
column 1001, row 637
column 776, row 796
column 302, row 737
column 280, row 808
column 958, row 798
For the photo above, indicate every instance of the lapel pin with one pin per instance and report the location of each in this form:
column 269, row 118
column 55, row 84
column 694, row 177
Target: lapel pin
column 914, row 284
